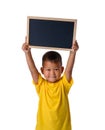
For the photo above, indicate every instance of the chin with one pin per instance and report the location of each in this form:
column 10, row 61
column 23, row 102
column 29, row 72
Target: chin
column 53, row 80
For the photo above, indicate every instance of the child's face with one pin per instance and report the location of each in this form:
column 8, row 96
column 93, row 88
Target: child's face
column 52, row 71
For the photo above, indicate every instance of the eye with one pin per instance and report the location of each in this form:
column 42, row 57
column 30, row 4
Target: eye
column 56, row 69
column 48, row 69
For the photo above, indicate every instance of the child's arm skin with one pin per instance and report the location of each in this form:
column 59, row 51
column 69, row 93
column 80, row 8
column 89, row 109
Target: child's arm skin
column 30, row 61
column 71, row 60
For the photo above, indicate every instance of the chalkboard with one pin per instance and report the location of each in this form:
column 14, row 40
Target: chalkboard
column 55, row 33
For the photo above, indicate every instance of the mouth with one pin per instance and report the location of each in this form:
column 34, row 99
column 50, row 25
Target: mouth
column 52, row 77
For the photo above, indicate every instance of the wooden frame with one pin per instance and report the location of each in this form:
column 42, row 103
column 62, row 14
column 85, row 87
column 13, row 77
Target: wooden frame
column 51, row 33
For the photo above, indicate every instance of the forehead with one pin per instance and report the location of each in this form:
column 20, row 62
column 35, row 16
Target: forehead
column 50, row 64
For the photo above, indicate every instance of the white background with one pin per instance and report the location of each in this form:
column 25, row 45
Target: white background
column 18, row 98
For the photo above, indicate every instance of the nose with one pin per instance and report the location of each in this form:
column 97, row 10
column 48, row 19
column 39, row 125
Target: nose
column 52, row 72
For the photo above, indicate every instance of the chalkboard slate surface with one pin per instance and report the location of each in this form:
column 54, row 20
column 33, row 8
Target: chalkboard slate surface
column 51, row 32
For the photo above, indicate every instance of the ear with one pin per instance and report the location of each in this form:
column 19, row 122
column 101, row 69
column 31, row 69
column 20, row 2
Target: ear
column 41, row 69
column 62, row 69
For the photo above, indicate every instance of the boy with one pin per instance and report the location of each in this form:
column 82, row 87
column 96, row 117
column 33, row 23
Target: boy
column 53, row 110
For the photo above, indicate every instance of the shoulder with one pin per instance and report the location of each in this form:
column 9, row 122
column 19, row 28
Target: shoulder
column 64, row 79
column 40, row 80
column 67, row 84
column 40, row 83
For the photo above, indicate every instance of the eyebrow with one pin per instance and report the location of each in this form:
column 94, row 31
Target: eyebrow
column 51, row 67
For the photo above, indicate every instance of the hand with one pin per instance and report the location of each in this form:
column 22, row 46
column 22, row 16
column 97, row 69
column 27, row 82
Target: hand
column 75, row 46
column 25, row 46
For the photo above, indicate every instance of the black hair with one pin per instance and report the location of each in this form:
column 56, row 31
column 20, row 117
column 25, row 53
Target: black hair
column 52, row 56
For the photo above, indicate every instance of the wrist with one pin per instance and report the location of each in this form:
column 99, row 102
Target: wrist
column 27, row 51
column 72, row 51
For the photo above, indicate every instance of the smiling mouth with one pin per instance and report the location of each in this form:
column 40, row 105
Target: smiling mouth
column 52, row 77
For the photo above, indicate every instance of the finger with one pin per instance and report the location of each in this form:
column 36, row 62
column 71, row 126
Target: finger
column 75, row 42
column 25, row 39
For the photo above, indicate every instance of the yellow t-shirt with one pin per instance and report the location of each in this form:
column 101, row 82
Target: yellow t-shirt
column 53, row 110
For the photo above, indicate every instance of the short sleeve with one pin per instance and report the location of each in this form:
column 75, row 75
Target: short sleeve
column 67, row 84
column 38, row 85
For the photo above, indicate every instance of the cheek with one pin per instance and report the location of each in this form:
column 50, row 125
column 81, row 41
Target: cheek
column 45, row 73
column 58, row 73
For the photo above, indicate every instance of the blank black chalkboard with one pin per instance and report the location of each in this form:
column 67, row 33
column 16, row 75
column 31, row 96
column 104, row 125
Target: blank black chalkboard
column 55, row 33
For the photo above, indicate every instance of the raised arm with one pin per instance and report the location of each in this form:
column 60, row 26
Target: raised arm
column 71, row 60
column 30, row 62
